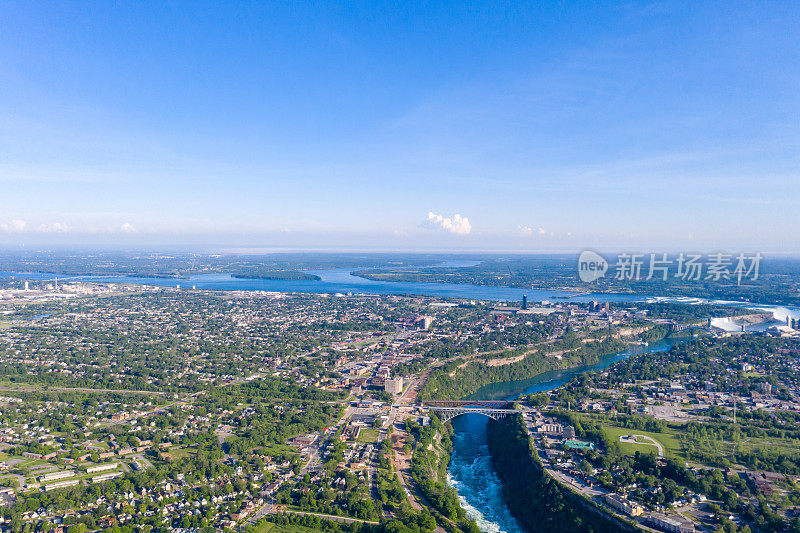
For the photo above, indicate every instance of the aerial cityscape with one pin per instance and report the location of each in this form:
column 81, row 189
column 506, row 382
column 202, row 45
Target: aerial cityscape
column 420, row 267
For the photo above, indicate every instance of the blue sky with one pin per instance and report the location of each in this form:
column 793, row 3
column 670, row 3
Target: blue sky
column 612, row 125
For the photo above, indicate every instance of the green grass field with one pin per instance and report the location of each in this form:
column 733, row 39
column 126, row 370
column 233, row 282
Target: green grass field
column 629, row 448
column 179, row 453
column 277, row 449
column 269, row 527
column 368, row 435
column 672, row 447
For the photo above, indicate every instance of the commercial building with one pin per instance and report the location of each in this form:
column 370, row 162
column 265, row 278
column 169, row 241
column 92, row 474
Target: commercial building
column 578, row 445
column 668, row 523
column 551, row 429
column 623, row 504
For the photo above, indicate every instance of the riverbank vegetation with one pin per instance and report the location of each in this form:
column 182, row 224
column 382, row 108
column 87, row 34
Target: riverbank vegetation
column 778, row 281
column 745, row 462
column 535, row 499
column 307, row 523
column 429, row 473
column 460, row 378
column 283, row 275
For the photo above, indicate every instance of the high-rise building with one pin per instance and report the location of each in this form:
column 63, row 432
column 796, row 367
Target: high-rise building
column 394, row 386
column 524, row 301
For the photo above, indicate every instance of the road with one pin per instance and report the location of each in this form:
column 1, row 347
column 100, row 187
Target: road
column 585, row 490
column 555, row 474
column 142, row 460
column 322, row 440
column 263, row 511
column 642, row 439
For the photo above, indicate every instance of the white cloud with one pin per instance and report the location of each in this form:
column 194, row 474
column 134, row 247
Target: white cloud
column 15, row 226
column 55, row 227
column 127, row 227
column 458, row 225
column 527, row 231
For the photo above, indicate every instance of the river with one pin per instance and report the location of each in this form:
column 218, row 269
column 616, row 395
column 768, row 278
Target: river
column 340, row 280
column 471, row 471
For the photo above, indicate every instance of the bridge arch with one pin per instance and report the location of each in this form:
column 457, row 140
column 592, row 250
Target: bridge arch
column 448, row 413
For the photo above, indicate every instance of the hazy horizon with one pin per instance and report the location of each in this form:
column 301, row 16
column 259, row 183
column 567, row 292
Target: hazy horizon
column 476, row 127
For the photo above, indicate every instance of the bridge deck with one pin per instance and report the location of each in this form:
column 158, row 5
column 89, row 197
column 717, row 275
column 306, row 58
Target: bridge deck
column 447, row 413
column 475, row 409
column 489, row 404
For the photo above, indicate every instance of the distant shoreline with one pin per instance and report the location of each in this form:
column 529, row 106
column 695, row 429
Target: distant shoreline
column 281, row 275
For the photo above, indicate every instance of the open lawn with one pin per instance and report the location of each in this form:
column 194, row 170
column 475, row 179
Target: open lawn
column 279, row 449
column 672, row 447
column 31, row 463
column 180, row 453
column 368, row 435
column 642, row 446
column 269, row 527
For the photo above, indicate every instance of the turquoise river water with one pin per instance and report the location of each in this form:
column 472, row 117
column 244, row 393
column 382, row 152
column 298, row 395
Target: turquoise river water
column 470, row 469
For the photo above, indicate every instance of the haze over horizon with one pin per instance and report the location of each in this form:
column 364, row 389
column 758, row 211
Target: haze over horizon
column 475, row 127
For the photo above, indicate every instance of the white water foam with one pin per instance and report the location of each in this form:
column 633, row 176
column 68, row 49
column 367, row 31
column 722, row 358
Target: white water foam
column 485, row 525
column 472, row 475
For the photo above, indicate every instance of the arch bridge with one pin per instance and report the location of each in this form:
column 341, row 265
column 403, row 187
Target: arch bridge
column 448, row 410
